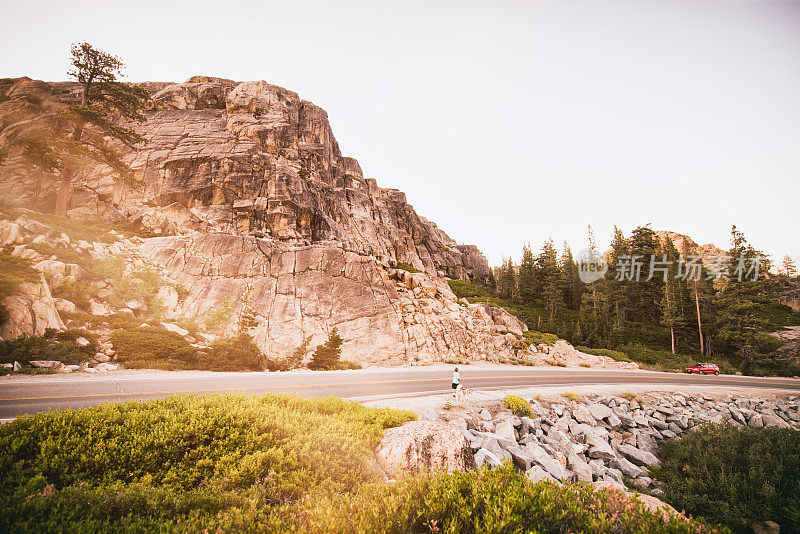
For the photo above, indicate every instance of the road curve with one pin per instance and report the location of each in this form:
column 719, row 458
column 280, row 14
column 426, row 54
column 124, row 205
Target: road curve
column 29, row 394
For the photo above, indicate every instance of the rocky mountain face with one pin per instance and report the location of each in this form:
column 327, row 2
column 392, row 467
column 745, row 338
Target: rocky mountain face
column 253, row 205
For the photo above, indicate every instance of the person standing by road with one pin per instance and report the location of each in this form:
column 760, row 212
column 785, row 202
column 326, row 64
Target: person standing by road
column 456, row 379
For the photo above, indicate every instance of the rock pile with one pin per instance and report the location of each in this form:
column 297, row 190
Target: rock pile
column 609, row 439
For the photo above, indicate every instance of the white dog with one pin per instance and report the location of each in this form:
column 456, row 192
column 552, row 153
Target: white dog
column 461, row 393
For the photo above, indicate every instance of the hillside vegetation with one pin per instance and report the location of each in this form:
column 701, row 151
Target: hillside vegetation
column 653, row 321
column 266, row 463
column 725, row 473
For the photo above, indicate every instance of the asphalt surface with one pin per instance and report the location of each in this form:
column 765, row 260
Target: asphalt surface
column 30, row 394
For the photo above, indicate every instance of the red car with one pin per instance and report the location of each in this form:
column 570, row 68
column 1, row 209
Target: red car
column 703, row 369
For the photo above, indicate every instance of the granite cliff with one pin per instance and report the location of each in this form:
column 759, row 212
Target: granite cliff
column 249, row 201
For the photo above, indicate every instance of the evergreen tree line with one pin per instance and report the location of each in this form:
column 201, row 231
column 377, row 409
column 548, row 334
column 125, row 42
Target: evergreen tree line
column 719, row 315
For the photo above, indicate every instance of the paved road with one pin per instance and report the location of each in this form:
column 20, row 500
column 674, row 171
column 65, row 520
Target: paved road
column 21, row 394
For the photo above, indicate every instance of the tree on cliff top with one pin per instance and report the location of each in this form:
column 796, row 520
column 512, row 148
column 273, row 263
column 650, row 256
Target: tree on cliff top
column 86, row 132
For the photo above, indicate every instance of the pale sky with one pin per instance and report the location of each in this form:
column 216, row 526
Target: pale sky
column 503, row 122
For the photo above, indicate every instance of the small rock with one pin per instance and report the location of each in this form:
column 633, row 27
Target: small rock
column 175, row 328
column 82, row 342
column 637, row 456
column 485, row 456
column 46, row 364
column 486, row 415
column 428, row 415
column 537, row 474
column 599, row 411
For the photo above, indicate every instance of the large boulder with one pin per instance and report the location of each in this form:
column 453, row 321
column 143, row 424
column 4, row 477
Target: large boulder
column 419, row 446
column 31, row 311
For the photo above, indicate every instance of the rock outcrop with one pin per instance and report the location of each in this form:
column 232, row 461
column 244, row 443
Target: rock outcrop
column 259, row 208
column 423, row 446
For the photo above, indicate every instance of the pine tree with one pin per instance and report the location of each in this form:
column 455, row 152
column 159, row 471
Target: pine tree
column 295, row 359
column 740, row 302
column 671, row 316
column 789, row 268
column 327, row 355
column 615, row 289
column 526, row 279
column 507, row 280
column 573, row 287
column 85, row 131
column 643, row 298
column 551, row 277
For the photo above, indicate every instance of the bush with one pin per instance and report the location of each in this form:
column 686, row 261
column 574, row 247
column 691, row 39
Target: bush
column 456, row 360
column 571, row 395
column 518, row 405
column 58, row 346
column 147, row 347
column 536, row 338
column 500, row 500
column 406, row 267
column 234, row 354
column 466, row 290
column 632, row 397
column 725, row 473
column 608, row 353
column 156, row 465
column 327, row 355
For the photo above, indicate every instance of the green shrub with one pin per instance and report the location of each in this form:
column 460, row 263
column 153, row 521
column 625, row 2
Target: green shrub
column 148, row 347
column 82, row 230
column 766, row 343
column 234, row 354
column 67, row 255
column 500, row 500
column 536, row 338
column 574, row 397
column 406, row 267
column 664, row 359
column 725, row 473
column 518, row 405
column 160, row 464
column 466, row 290
column 608, row 353
column 347, row 365
column 112, row 267
column 58, row 346
column 456, row 360
column 632, row 397
column 78, row 292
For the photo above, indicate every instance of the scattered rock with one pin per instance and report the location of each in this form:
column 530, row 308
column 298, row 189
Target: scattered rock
column 175, row 328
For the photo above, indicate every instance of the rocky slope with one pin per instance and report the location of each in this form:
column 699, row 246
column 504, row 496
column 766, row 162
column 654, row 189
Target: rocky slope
column 253, row 207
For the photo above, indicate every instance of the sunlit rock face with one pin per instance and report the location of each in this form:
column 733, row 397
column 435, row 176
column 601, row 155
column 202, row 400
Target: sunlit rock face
column 254, row 159
column 257, row 206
